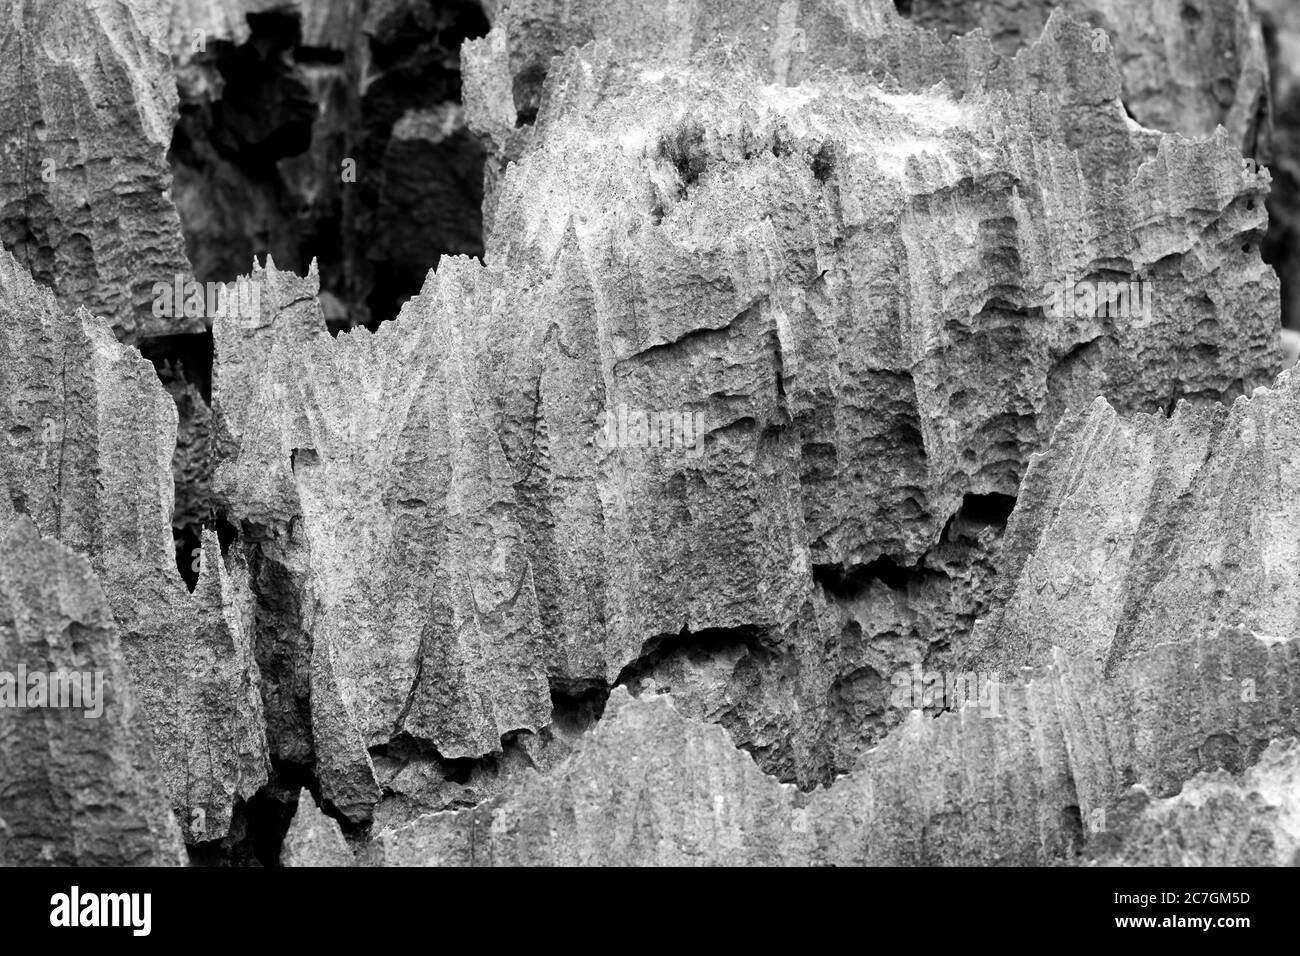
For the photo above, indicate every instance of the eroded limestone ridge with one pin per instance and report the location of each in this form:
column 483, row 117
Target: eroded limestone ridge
column 89, row 440
column 1219, row 819
column 1061, row 765
column 870, row 304
column 1134, row 530
column 79, row 785
column 1187, row 67
column 87, row 108
column 1182, row 67
column 724, row 430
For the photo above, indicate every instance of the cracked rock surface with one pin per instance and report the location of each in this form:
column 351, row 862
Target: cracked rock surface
column 777, row 263
column 90, row 434
column 87, row 107
column 778, row 362
column 78, row 790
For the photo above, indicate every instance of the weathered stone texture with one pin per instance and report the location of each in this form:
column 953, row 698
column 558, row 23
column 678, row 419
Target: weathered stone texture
column 1135, row 531
column 87, row 107
column 77, row 788
column 313, row 838
column 1219, row 819
column 1033, row 776
column 846, row 283
column 90, row 435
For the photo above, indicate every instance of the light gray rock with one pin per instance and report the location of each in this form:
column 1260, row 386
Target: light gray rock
column 1036, row 772
column 1218, row 819
column 90, row 437
column 1131, row 531
column 1188, row 66
column 847, row 284
column 313, row 838
column 87, row 107
column 79, row 785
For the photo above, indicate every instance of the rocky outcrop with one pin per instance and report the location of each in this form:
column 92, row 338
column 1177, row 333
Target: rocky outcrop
column 1131, row 531
column 672, row 531
column 1041, row 769
column 1219, row 819
column 647, row 787
column 1183, row 67
column 90, row 435
column 87, row 107
column 837, row 294
column 313, row 838
column 1188, row 66
column 81, row 786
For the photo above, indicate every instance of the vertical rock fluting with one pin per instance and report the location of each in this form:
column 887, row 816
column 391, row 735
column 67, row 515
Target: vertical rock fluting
column 1183, row 67
column 79, row 785
column 89, row 439
column 1046, row 769
column 841, row 286
column 87, row 107
column 1187, row 65
column 719, row 439
column 1135, row 531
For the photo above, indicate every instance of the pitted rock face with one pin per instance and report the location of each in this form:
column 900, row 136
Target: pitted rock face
column 1134, row 531
column 88, row 460
column 666, row 532
column 88, row 104
column 1040, row 769
column 82, row 786
column 850, row 287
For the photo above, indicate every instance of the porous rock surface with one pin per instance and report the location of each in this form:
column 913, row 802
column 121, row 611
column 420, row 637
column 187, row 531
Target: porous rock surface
column 87, row 107
column 79, row 788
column 89, row 440
column 475, row 562
column 313, row 838
column 845, row 280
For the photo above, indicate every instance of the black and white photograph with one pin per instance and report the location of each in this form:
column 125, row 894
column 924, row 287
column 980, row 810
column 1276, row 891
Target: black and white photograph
column 658, row 434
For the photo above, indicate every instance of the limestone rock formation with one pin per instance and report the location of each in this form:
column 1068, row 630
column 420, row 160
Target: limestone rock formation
column 840, row 289
column 1184, row 67
column 1187, row 65
column 1135, row 531
column 313, row 838
column 647, row 787
column 87, row 107
column 1219, row 819
column 679, row 528
column 1040, row 770
column 81, row 786
column 90, row 434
